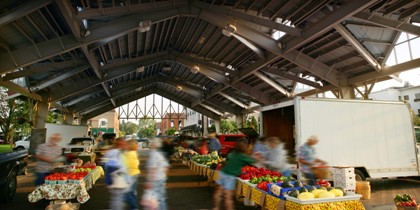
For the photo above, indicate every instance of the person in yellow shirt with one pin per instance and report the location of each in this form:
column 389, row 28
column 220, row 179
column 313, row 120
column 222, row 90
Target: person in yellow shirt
column 132, row 163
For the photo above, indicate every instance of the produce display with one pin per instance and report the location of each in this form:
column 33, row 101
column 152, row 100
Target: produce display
column 208, row 160
column 86, row 168
column 276, row 184
column 257, row 175
column 311, row 192
column 69, row 177
column 405, row 200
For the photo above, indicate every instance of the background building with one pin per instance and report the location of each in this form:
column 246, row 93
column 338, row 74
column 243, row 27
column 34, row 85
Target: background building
column 409, row 94
column 173, row 120
column 106, row 123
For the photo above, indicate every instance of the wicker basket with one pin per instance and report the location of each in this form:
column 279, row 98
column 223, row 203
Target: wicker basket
column 321, row 172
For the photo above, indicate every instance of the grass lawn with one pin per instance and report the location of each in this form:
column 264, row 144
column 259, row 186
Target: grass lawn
column 5, row 148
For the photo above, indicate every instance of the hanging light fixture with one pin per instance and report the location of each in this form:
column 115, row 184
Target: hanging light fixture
column 178, row 88
column 229, row 30
column 145, row 25
column 195, row 69
column 140, row 69
column 166, row 67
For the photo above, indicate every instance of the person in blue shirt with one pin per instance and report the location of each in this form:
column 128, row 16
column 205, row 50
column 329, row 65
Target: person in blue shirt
column 307, row 158
column 260, row 146
column 214, row 143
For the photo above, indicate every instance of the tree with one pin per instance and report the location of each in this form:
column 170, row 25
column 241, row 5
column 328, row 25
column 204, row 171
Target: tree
column 252, row 123
column 129, row 128
column 146, row 127
column 14, row 115
column 54, row 117
column 170, row 131
column 228, row 126
column 416, row 120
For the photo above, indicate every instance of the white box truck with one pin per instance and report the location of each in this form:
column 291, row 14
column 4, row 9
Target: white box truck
column 375, row 137
column 67, row 132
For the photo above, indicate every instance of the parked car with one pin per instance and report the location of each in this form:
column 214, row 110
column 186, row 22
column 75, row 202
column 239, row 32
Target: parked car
column 12, row 164
column 143, row 143
column 228, row 140
column 80, row 144
column 22, row 144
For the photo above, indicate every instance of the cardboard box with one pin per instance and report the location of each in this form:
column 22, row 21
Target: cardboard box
column 350, row 186
column 342, row 170
column 345, row 179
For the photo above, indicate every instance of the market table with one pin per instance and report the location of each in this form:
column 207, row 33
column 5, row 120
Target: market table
column 249, row 192
column 67, row 191
column 339, row 205
column 348, row 202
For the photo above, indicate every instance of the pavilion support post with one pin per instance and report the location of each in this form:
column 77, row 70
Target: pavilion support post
column 217, row 125
column 240, row 121
column 39, row 132
column 347, row 92
column 205, row 122
column 68, row 119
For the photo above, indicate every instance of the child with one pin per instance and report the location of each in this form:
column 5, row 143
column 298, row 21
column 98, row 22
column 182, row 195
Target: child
column 228, row 173
column 132, row 163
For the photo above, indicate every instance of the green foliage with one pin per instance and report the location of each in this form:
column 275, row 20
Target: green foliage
column 146, row 128
column 228, row 126
column 54, row 117
column 252, row 123
column 129, row 128
column 416, row 120
column 170, row 131
column 14, row 115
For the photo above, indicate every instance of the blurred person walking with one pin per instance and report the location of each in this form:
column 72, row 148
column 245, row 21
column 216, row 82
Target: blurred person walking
column 307, row 159
column 260, row 146
column 116, row 174
column 214, row 143
column 227, row 175
column 167, row 148
column 132, row 164
column 276, row 156
column 157, row 167
column 46, row 155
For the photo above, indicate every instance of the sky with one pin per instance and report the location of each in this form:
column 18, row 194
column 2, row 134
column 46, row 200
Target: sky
column 411, row 76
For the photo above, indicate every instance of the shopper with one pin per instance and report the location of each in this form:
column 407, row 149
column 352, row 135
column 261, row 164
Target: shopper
column 116, row 174
column 260, row 146
column 132, row 164
column 276, row 156
column 46, row 155
column 227, row 175
column 203, row 149
column 214, row 143
column 157, row 167
column 167, row 148
column 307, row 159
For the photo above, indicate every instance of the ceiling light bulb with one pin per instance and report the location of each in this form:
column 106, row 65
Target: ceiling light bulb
column 195, row 69
column 229, row 30
column 140, row 69
column 178, row 88
column 166, row 67
column 145, row 25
